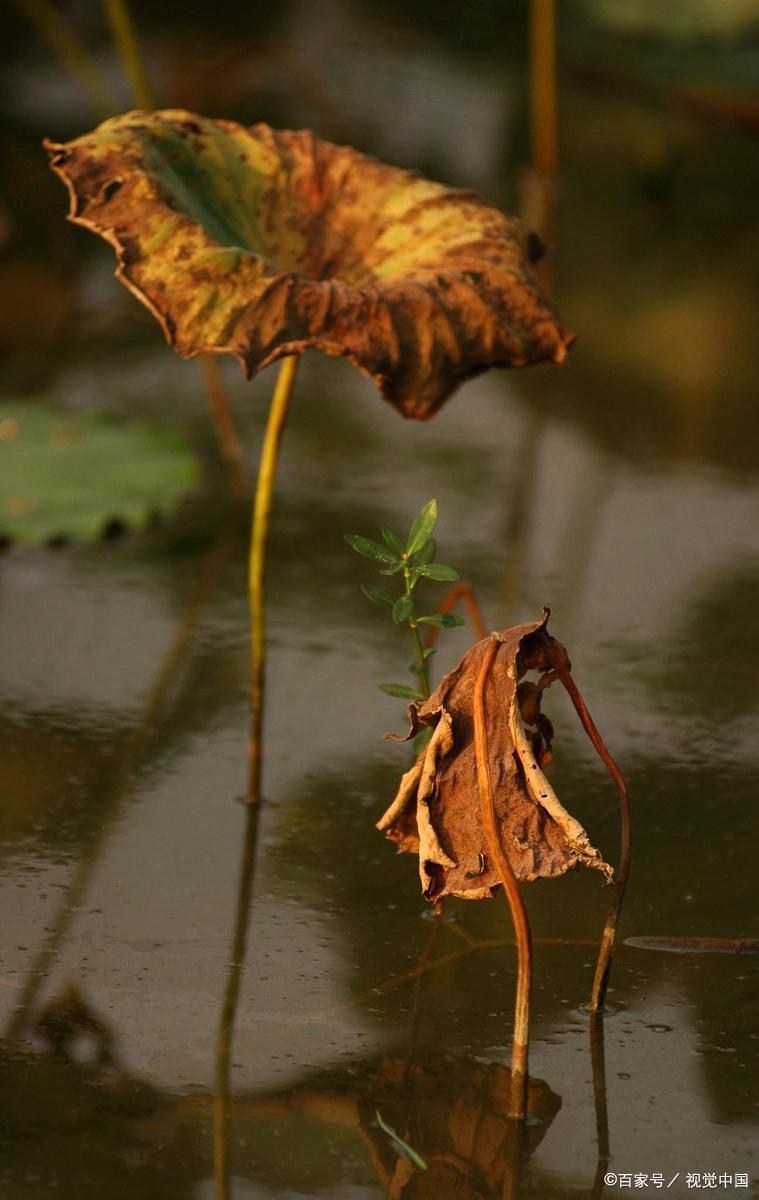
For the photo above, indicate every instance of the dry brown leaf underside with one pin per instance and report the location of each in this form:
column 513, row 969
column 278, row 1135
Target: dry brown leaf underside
column 436, row 812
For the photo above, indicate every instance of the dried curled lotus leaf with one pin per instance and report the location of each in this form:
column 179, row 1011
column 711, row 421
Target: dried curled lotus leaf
column 440, row 818
column 265, row 243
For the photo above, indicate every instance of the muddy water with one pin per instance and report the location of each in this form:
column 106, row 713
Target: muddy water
column 620, row 491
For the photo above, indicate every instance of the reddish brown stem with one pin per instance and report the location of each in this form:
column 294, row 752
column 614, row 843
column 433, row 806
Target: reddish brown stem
column 608, row 937
column 521, row 1035
column 464, row 592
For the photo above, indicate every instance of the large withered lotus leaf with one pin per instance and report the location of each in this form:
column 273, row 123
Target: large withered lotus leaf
column 436, row 812
column 265, row 242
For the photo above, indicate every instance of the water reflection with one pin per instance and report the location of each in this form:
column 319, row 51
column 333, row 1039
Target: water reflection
column 119, row 784
column 621, row 491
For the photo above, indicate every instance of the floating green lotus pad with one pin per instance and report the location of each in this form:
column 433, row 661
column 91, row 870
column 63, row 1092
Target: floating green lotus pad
column 70, row 474
column 264, row 243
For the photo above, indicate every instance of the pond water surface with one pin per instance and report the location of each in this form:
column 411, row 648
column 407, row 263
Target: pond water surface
column 620, row 490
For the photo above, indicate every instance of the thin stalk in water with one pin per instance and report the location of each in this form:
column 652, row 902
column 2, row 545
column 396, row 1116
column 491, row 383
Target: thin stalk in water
column 521, row 1033
column 225, row 1033
column 256, row 582
column 609, row 935
column 598, row 1060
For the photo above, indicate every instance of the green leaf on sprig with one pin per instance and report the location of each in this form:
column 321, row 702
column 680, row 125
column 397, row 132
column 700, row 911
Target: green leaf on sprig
column 393, row 569
column 368, row 548
column 441, row 620
column 438, row 571
column 377, row 596
column 402, row 609
column 425, row 553
column 422, row 527
column 400, row 691
column 415, row 668
column 392, row 541
column 421, row 739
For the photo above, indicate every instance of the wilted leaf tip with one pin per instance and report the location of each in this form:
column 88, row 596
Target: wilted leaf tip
column 250, row 241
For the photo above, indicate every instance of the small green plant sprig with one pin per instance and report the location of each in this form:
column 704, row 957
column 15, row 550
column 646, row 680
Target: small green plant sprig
column 415, row 561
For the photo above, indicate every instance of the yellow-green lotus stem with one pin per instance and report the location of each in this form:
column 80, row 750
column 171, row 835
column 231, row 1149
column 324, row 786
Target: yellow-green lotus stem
column 257, row 560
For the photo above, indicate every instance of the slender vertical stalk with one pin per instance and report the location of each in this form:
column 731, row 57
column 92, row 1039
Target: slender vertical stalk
column 521, row 1034
column 267, row 470
column 543, row 119
column 62, row 39
column 129, row 51
column 609, row 935
column 257, row 562
column 424, row 675
column 598, row 1060
column 540, row 201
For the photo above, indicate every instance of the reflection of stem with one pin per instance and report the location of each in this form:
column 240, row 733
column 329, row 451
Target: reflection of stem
column 125, row 773
column 257, row 562
column 608, row 937
column 598, row 1059
column 521, row 1035
column 514, row 1147
column 229, row 443
column 229, row 1008
column 419, row 973
column 129, row 52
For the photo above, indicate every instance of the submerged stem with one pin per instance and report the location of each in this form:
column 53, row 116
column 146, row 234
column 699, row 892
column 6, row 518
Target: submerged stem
column 521, row 1035
column 257, row 562
column 609, row 935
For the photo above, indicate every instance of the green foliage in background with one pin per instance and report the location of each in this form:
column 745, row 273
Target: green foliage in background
column 69, row 475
